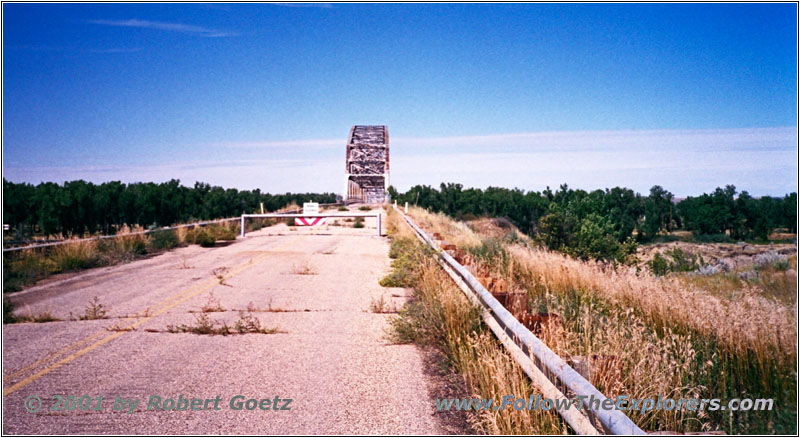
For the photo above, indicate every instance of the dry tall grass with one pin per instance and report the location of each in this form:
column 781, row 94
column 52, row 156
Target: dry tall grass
column 656, row 336
column 746, row 322
column 457, row 233
column 442, row 316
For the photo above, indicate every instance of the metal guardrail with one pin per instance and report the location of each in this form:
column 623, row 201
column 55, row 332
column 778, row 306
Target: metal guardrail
column 282, row 216
column 545, row 368
column 114, row 236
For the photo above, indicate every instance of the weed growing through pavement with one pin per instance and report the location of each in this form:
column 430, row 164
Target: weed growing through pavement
column 381, row 306
column 304, row 269
column 212, row 305
column 220, row 274
column 45, row 316
column 95, row 310
column 120, row 328
column 204, row 325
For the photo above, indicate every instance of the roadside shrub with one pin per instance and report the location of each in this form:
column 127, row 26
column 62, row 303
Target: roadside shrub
column 163, row 239
column 222, row 233
column 74, row 256
column 8, row 311
column 256, row 224
column 200, row 236
column 343, row 208
column 121, row 249
column 365, row 208
column 205, row 239
column 359, row 223
column 23, row 267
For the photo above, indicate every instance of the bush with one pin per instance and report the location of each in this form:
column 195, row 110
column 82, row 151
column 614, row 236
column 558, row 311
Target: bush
column 359, row 223
column 200, row 236
column 222, row 233
column 712, row 238
column 163, row 239
column 122, row 249
column 772, row 259
column 74, row 256
column 365, row 208
column 259, row 223
column 682, row 261
column 343, row 208
column 23, row 267
column 8, row 311
column 659, row 265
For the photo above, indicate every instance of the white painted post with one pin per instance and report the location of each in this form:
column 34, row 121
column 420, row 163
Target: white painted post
column 242, row 233
column 262, row 208
column 379, row 225
column 406, row 207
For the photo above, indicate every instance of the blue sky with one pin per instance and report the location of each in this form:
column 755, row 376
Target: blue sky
column 687, row 96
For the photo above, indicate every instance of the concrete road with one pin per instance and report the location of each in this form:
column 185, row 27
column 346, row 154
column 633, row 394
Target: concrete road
column 329, row 355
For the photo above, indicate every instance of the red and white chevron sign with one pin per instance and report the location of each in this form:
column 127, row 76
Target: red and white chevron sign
column 309, row 221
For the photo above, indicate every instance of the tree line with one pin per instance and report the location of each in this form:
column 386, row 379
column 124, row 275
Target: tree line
column 76, row 208
column 608, row 224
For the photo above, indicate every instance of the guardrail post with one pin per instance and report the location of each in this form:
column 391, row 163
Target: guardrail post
column 379, row 224
column 242, row 232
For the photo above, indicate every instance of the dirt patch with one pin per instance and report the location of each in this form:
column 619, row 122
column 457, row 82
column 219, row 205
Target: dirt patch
column 498, row 228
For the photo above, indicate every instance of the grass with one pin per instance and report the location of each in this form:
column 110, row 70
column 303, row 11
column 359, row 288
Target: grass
column 10, row 318
column 204, row 325
column 408, row 254
column 440, row 316
column 381, row 306
column 25, row 267
column 689, row 341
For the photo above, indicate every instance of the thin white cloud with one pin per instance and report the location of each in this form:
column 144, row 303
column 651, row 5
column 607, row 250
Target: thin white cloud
column 686, row 162
column 165, row 26
column 573, row 140
column 582, row 140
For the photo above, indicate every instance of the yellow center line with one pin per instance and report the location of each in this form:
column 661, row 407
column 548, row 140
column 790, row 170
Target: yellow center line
column 183, row 295
column 143, row 313
column 51, row 356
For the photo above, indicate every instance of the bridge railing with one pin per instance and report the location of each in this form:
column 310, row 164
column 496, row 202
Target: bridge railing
column 549, row 372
